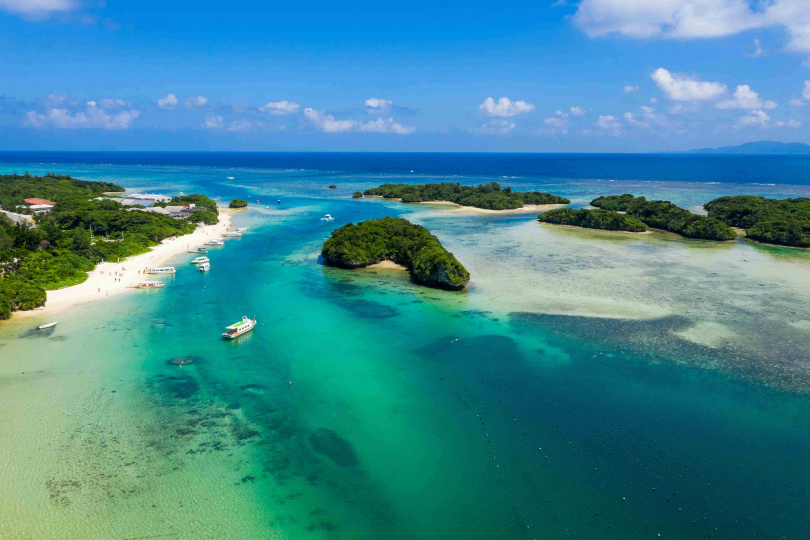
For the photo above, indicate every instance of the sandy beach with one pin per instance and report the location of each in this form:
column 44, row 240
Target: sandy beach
column 458, row 209
column 110, row 279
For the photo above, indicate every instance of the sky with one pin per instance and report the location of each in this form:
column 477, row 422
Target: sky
column 545, row 76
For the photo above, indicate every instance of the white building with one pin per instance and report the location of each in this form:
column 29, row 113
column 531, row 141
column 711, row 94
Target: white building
column 144, row 199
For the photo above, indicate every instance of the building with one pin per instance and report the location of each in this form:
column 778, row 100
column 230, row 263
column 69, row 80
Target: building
column 177, row 212
column 146, row 200
column 39, row 205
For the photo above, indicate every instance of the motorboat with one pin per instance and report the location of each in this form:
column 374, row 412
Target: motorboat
column 199, row 260
column 232, row 234
column 237, row 329
column 198, row 250
column 160, row 270
column 204, row 267
column 327, row 217
column 215, row 242
column 46, row 325
column 150, row 285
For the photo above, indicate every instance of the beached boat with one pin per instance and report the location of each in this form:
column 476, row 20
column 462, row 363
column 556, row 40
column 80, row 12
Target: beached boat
column 215, row 242
column 327, row 217
column 199, row 260
column 46, row 325
column 237, row 329
column 233, row 234
column 160, row 270
column 204, row 267
column 198, row 250
column 150, row 285
column 242, row 229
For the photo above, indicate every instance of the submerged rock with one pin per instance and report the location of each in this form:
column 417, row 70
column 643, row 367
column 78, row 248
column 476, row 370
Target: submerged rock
column 328, row 443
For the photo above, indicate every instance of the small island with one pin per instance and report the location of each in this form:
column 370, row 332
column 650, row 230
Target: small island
column 665, row 215
column 238, row 203
column 784, row 222
column 400, row 241
column 593, row 219
column 357, row 195
column 486, row 196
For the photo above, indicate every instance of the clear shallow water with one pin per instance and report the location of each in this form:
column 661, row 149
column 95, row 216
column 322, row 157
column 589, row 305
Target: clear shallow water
column 626, row 386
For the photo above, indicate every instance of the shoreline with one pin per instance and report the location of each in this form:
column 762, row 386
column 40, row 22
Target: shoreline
column 459, row 209
column 648, row 231
column 101, row 281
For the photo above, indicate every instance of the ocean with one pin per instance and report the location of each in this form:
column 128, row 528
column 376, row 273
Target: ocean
column 586, row 385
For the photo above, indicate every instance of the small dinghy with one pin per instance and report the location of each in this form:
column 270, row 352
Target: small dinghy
column 327, row 217
column 46, row 326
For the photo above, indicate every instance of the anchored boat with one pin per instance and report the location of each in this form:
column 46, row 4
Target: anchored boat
column 237, row 329
column 48, row 325
column 204, row 267
column 150, row 285
column 199, row 260
column 198, row 250
column 160, row 270
column 234, row 234
column 215, row 242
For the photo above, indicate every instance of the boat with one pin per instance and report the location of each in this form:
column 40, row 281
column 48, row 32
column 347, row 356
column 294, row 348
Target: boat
column 160, row 270
column 150, row 285
column 242, row 229
column 234, row 234
column 237, row 329
column 199, row 260
column 46, row 325
column 198, row 250
column 230, row 178
column 215, row 242
column 327, row 217
column 204, row 267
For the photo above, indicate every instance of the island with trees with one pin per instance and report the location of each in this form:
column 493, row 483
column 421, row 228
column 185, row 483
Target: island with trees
column 60, row 246
column 774, row 221
column 593, row 219
column 665, row 215
column 400, row 241
column 238, row 203
column 487, row 196
column 357, row 195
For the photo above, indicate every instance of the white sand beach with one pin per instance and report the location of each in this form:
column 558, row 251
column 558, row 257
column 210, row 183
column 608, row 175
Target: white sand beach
column 109, row 279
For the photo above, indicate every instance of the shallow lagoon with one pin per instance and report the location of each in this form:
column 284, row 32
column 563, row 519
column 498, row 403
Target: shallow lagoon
column 587, row 385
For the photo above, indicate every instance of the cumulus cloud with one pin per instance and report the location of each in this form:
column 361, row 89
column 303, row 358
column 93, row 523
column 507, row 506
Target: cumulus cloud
column 281, row 108
column 754, row 118
column 558, row 122
column 679, row 87
column 745, row 98
column 758, row 52
column 93, row 116
column 789, row 123
column 692, row 19
column 378, row 106
column 629, row 89
column 327, row 123
column 610, row 124
column 239, row 125
column 197, row 102
column 37, row 8
column 167, row 102
column 494, row 127
column 387, row 126
column 505, row 107
column 213, row 122
column 796, row 102
column 577, row 111
column 806, row 91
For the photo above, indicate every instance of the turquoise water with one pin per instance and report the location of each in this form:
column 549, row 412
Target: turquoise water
column 587, row 385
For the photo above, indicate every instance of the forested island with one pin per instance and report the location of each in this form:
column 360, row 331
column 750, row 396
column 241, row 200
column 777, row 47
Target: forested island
column 774, row 221
column 237, row 203
column 487, row 196
column 400, row 241
column 665, row 215
column 593, row 219
column 82, row 229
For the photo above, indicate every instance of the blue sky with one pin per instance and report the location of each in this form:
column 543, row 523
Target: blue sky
column 594, row 75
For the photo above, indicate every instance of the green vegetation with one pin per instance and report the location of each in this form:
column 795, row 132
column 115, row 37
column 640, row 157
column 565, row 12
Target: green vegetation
column 398, row 240
column 774, row 221
column 67, row 242
column 237, row 203
column 489, row 196
column 357, row 195
column 665, row 215
column 206, row 208
column 593, row 219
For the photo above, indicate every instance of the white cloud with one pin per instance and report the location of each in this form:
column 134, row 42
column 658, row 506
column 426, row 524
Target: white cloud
column 796, row 102
column 494, row 127
column 692, row 19
column 196, row 102
column 281, row 108
column 758, row 52
column 387, row 126
column 213, row 122
column 93, row 116
column 37, row 8
column 745, row 98
column 628, row 89
column 806, row 91
column 754, row 118
column 378, row 106
column 633, row 121
column 327, row 123
column 167, row 102
column 789, row 123
column 653, row 100
column 577, row 111
column 242, row 124
column 558, row 122
column 679, row 87
column 505, row 107
column 609, row 123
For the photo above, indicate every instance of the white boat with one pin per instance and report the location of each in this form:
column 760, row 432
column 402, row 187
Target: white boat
column 46, row 325
column 237, row 329
column 327, row 217
column 233, row 234
column 242, row 229
column 160, row 270
column 230, row 178
column 150, row 285
column 198, row 250
column 215, row 242
column 204, row 267
column 199, row 260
